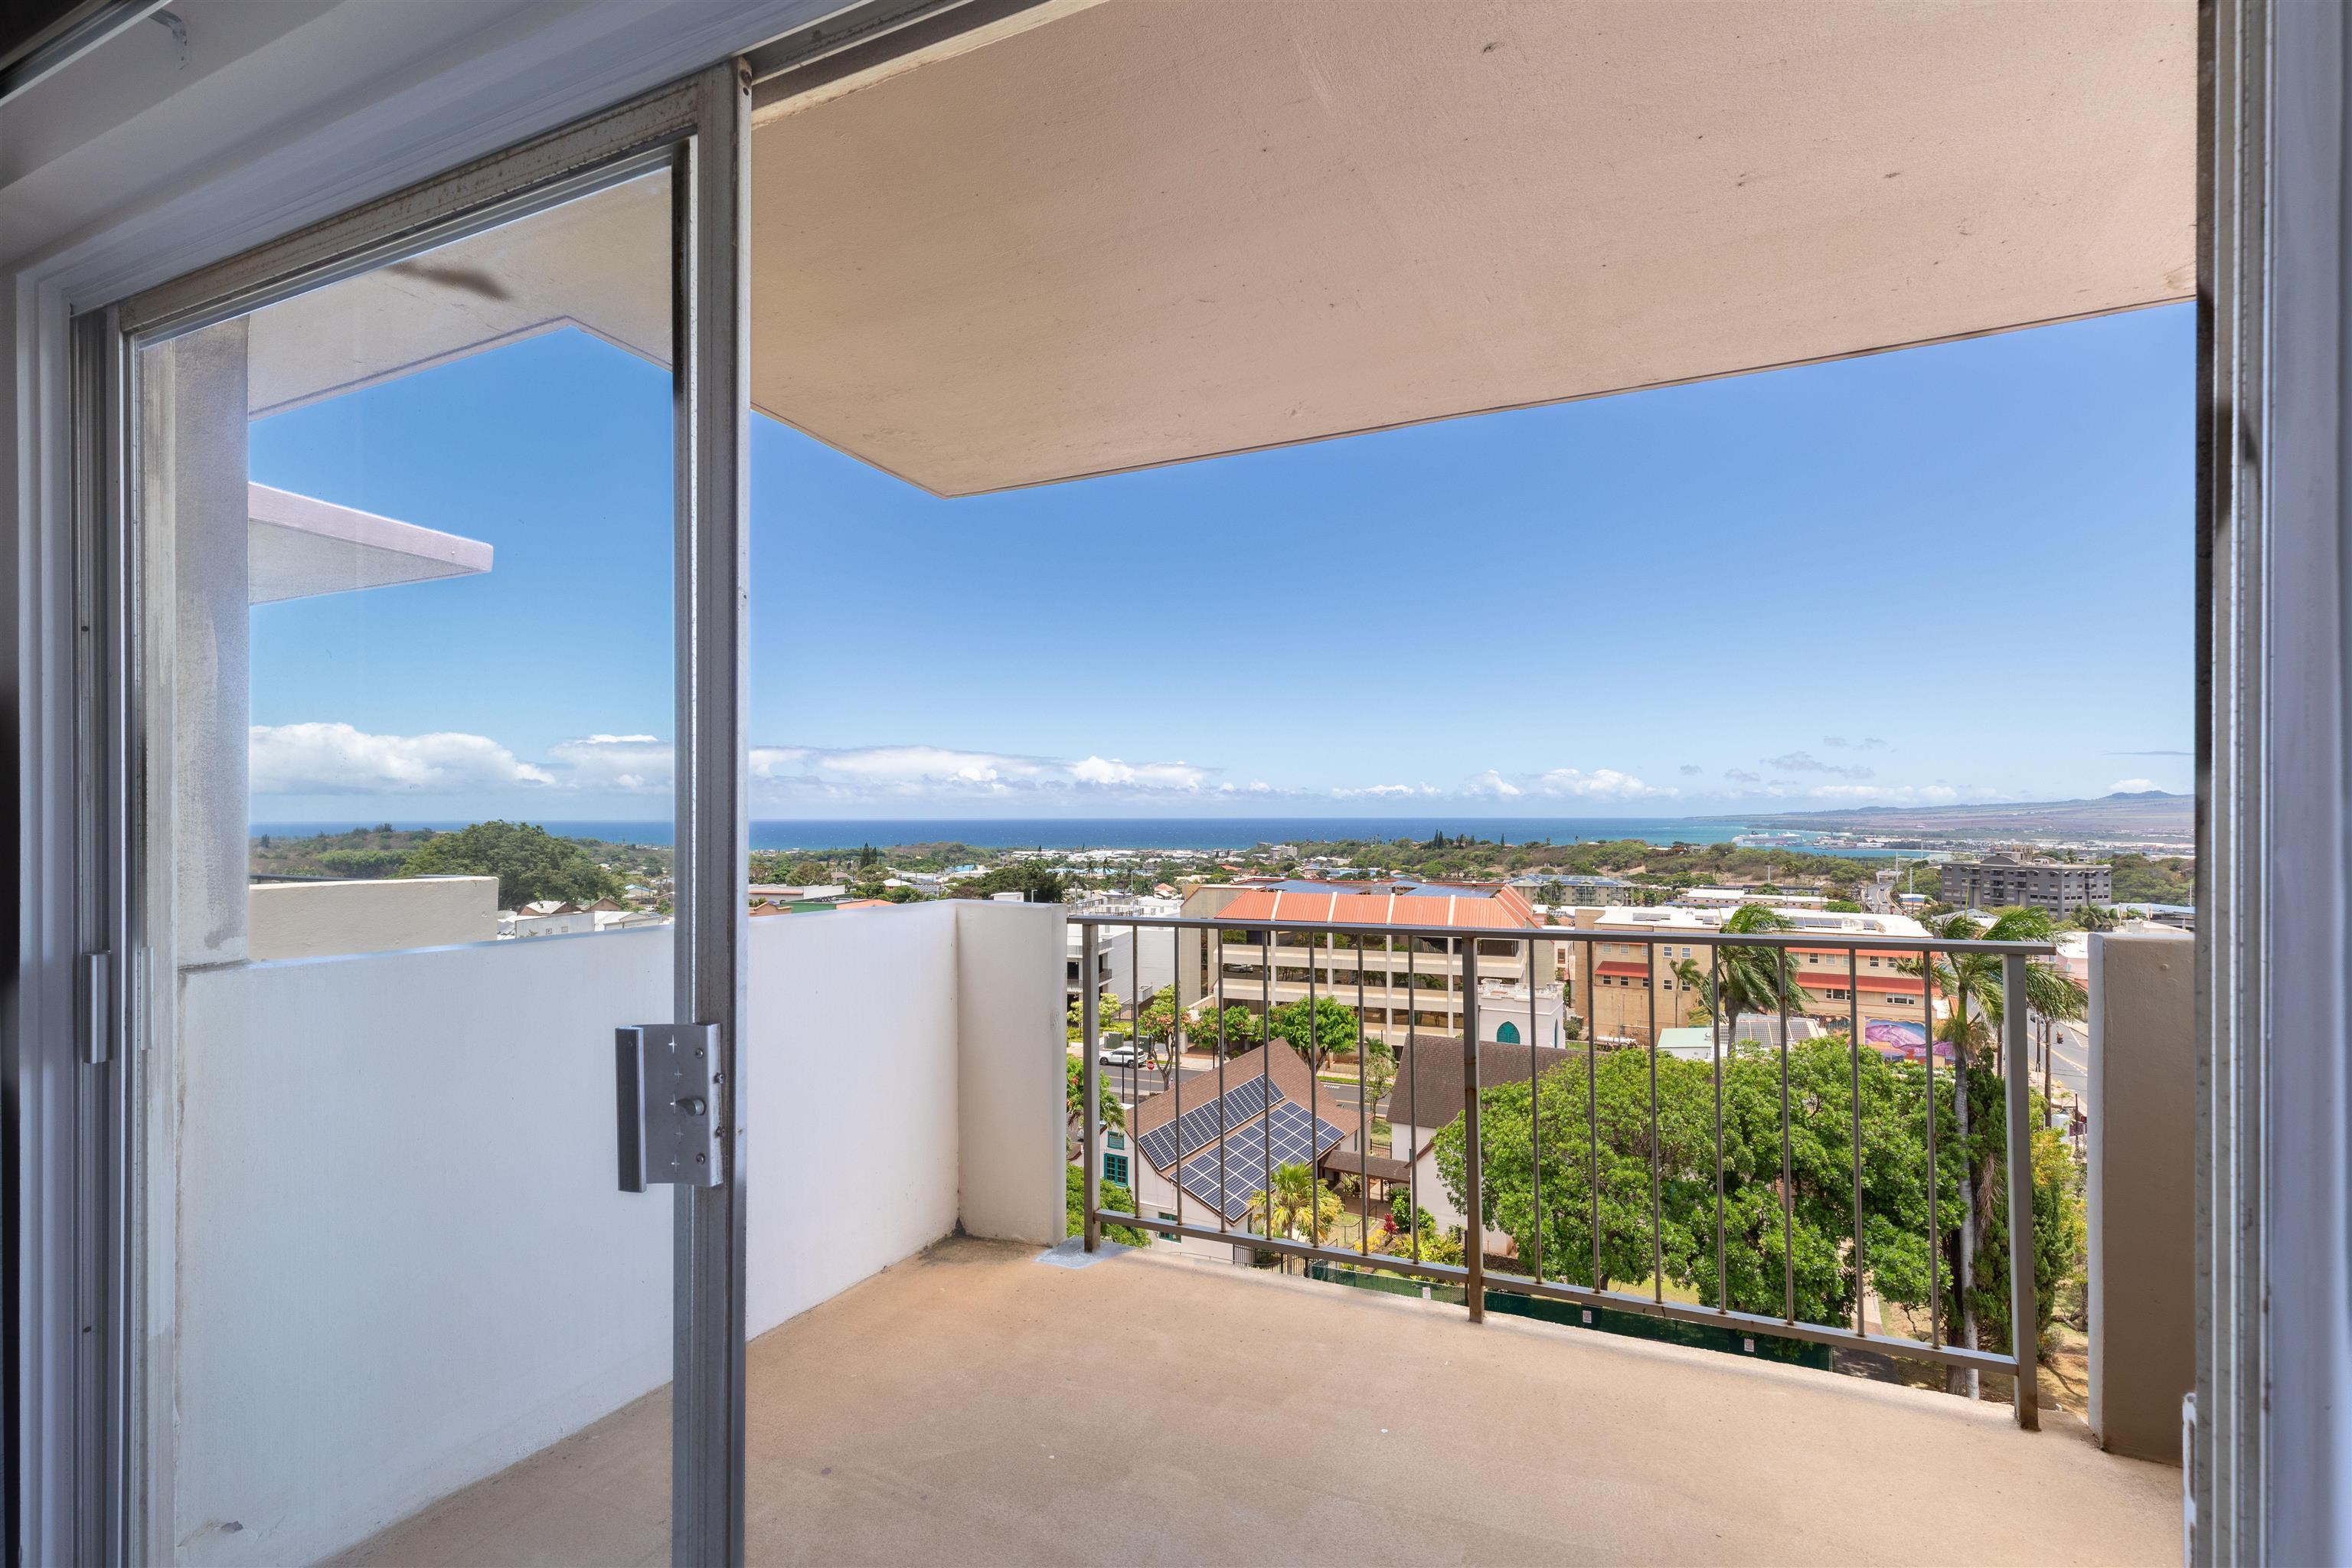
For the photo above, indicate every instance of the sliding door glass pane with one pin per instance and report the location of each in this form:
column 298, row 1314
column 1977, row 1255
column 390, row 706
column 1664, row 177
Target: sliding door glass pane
column 411, row 700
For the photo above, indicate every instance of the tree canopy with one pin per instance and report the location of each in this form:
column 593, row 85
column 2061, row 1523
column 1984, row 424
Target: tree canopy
column 530, row 863
column 1036, row 881
column 1114, row 1196
column 1328, row 1031
column 1894, row 1253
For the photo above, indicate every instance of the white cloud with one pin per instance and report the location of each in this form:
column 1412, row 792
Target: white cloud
column 2123, row 787
column 852, row 772
column 1806, row 762
column 1600, row 783
column 338, row 759
column 1385, row 792
column 1689, row 770
column 617, row 764
column 1491, row 783
column 1741, row 776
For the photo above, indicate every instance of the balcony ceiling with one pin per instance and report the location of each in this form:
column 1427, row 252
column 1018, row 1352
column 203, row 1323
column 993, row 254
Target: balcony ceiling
column 1154, row 230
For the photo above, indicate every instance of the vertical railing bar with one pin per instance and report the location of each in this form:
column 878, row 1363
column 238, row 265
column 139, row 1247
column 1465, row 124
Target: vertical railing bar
column 1225, row 1113
column 1265, row 1080
column 1964, row 1279
column 1363, row 1115
column 1175, row 1074
column 1592, row 1109
column 1935, row 1177
column 1090, row 1085
column 1853, row 1043
column 1474, row 1217
column 1412, row 1088
column 1657, row 1233
column 1135, row 1016
column 2024, row 1319
column 1787, row 1178
column 1714, row 1031
column 1314, row 1107
column 1535, row 1114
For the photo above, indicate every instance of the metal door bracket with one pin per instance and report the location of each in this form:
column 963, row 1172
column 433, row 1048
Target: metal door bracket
column 668, row 1086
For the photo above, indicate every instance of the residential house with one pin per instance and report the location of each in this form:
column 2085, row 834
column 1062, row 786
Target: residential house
column 1262, row 1108
column 1428, row 1096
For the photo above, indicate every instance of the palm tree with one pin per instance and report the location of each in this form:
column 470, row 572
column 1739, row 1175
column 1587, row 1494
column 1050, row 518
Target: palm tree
column 1691, row 977
column 1974, row 984
column 1751, row 979
column 1302, row 1207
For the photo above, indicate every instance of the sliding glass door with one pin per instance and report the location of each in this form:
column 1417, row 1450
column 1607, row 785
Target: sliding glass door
column 432, row 811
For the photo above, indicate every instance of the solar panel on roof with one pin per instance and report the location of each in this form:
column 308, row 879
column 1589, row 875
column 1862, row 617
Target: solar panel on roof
column 1287, row 1136
column 1201, row 1125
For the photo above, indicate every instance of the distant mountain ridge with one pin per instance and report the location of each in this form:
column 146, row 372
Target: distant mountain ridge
column 2142, row 814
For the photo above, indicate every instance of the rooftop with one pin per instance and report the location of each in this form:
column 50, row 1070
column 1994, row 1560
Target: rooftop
column 1434, row 904
column 974, row 1405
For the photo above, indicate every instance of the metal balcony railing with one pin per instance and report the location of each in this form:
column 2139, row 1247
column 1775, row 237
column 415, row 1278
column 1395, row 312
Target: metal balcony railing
column 1474, row 1275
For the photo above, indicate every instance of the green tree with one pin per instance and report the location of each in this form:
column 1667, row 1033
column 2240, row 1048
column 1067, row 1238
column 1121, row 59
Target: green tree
column 530, row 863
column 1894, row 1249
column 1241, row 1029
column 361, row 863
column 1973, row 985
column 1379, row 1070
column 1114, row 1196
column 1298, row 1206
column 1156, row 1019
column 1114, row 1114
column 1318, row 1035
column 1036, row 881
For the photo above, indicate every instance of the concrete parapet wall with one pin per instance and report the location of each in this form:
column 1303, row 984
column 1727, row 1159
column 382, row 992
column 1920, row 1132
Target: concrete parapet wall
column 2142, row 1169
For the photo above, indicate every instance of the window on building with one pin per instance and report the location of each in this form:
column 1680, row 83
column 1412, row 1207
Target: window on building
column 1119, row 1139
column 1115, row 1168
column 1508, row 1035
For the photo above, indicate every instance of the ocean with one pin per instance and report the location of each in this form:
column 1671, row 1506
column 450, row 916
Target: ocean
column 1119, row 832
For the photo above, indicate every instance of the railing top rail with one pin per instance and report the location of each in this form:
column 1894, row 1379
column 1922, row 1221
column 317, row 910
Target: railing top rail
column 1822, row 939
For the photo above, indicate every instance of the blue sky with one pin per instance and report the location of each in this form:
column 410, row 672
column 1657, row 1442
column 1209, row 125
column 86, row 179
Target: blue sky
column 1956, row 572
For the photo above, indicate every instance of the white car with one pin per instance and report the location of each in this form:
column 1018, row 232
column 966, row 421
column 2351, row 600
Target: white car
column 1120, row 1056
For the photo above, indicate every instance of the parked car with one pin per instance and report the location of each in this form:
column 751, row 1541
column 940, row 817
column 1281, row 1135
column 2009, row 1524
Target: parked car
column 1120, row 1056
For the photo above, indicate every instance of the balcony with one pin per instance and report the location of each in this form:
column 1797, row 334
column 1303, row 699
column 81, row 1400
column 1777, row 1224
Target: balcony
column 932, row 1373
column 973, row 1405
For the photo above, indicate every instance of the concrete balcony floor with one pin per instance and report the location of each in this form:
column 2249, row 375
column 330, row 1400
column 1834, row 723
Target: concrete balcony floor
column 973, row 1406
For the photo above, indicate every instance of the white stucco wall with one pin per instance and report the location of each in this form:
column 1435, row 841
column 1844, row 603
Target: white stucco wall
column 404, row 1262
column 319, row 920
column 1011, row 1099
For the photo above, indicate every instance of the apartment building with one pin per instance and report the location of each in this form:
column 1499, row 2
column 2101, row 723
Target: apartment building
column 1130, row 961
column 1999, row 882
column 1639, row 989
column 1398, row 983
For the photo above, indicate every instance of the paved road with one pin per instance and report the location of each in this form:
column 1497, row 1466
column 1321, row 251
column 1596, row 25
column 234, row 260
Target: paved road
column 2070, row 1058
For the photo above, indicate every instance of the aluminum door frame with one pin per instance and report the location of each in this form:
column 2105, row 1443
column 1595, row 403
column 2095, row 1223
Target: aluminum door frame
column 699, row 129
